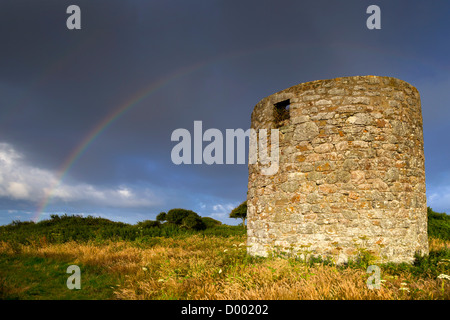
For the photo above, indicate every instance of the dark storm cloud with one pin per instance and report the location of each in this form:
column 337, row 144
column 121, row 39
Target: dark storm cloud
column 57, row 85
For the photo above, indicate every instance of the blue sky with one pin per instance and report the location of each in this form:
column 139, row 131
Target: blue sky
column 187, row 60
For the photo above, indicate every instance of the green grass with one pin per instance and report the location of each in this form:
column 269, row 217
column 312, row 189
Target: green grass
column 26, row 277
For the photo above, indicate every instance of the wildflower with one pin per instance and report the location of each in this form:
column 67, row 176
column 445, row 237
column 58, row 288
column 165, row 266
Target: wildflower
column 444, row 276
column 220, row 270
column 404, row 284
column 225, row 250
column 404, row 289
column 160, row 280
column 241, row 244
column 144, row 268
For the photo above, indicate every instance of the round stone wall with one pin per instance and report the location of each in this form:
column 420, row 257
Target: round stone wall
column 351, row 174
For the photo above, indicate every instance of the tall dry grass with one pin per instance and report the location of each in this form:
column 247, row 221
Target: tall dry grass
column 197, row 267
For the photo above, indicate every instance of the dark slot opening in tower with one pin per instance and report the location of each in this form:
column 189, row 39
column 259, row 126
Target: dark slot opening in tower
column 281, row 113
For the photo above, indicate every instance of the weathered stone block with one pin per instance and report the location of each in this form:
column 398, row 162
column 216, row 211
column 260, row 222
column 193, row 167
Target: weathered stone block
column 306, row 131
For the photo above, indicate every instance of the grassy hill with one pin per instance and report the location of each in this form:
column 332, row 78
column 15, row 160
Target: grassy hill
column 60, row 229
column 438, row 225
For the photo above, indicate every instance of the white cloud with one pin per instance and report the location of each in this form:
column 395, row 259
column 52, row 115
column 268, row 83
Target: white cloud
column 125, row 192
column 439, row 198
column 221, row 211
column 18, row 190
column 21, row 181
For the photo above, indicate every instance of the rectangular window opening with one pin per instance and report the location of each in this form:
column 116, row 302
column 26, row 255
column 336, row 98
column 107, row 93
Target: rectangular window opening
column 281, row 113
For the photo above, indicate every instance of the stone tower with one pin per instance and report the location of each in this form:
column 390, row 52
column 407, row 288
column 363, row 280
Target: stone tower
column 351, row 171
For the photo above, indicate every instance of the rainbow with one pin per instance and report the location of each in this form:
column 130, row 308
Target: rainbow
column 116, row 114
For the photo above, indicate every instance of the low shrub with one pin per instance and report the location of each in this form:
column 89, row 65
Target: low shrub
column 438, row 225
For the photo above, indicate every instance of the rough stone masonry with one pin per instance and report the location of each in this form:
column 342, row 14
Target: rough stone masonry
column 351, row 172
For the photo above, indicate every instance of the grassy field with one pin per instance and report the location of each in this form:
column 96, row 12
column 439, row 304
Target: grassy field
column 203, row 265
